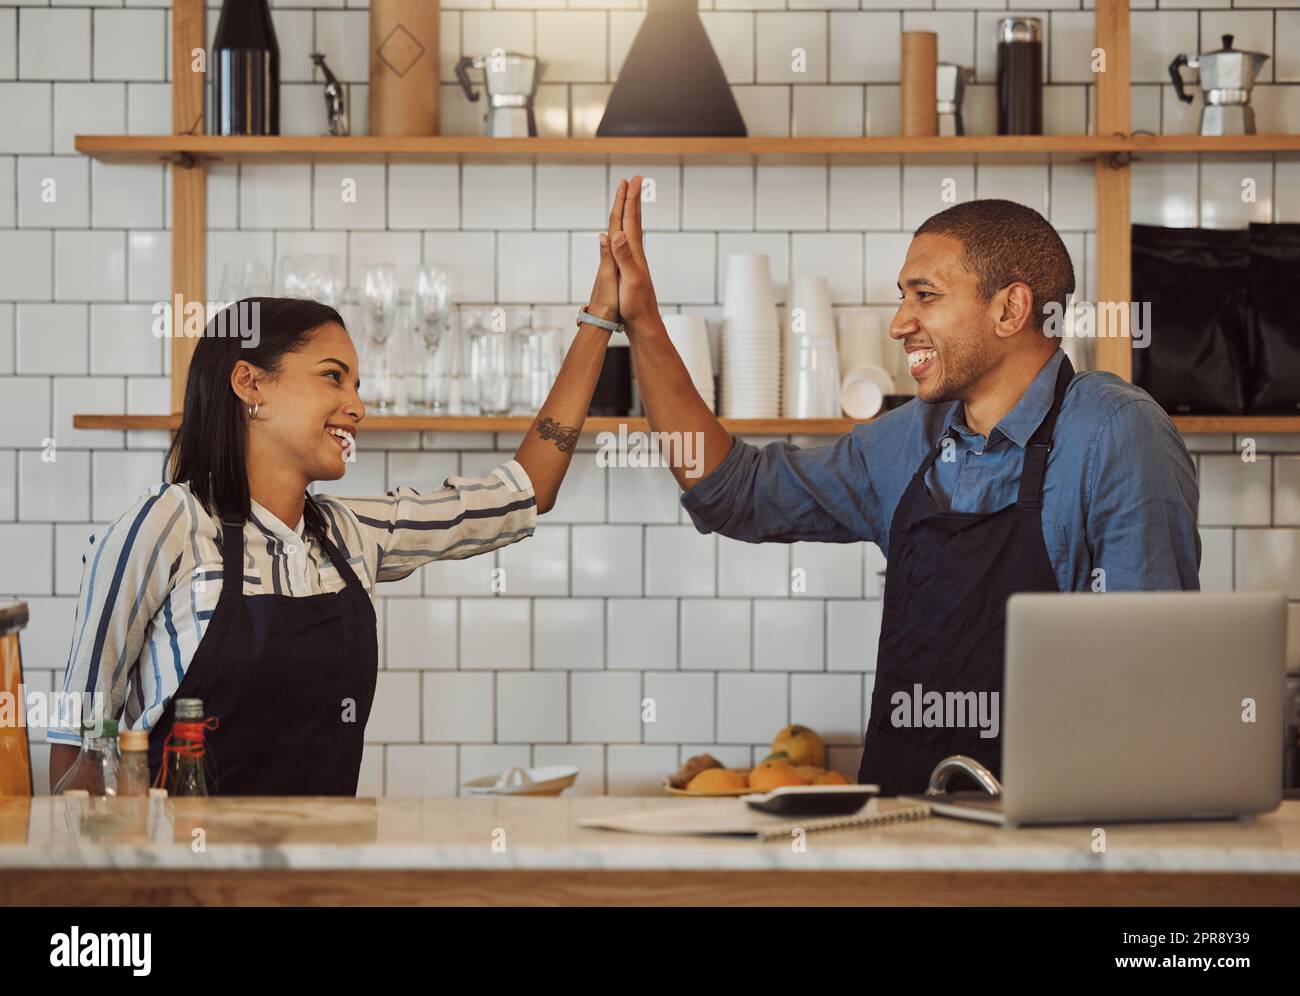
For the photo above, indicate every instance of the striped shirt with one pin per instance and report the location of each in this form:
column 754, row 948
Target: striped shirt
column 151, row 581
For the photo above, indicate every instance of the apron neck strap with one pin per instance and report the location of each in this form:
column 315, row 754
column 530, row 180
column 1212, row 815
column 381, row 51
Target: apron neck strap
column 1040, row 443
column 336, row 558
column 232, row 552
column 232, row 555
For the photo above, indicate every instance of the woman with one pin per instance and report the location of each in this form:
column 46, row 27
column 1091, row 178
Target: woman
column 233, row 585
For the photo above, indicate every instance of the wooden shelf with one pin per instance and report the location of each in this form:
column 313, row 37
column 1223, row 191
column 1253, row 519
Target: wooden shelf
column 192, row 149
column 1247, row 424
column 1212, row 144
column 1192, row 424
column 189, row 149
column 508, row 423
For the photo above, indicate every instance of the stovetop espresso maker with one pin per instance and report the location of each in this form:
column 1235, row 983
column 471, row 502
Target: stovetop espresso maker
column 510, row 80
column 1227, row 76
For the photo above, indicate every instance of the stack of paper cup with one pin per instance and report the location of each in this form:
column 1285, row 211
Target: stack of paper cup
column 866, row 380
column 689, row 334
column 810, row 378
column 751, row 340
column 862, row 339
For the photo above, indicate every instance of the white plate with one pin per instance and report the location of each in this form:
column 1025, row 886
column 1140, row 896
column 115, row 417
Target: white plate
column 550, row 779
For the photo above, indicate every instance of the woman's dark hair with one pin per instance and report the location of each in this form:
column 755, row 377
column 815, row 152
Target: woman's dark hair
column 208, row 452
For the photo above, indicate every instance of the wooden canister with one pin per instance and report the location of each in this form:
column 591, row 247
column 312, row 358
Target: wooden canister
column 919, row 58
column 404, row 87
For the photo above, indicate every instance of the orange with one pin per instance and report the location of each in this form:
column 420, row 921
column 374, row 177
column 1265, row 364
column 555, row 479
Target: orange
column 774, row 774
column 716, row 780
column 801, row 744
column 830, row 778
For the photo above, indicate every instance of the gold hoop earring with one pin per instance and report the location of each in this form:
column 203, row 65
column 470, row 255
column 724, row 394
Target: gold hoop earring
column 253, row 410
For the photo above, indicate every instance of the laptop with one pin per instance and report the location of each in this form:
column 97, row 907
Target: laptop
column 1137, row 706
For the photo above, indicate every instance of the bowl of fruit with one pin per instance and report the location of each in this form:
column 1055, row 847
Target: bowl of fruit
column 798, row 757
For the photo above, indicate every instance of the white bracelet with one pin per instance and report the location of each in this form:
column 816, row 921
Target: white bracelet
column 586, row 318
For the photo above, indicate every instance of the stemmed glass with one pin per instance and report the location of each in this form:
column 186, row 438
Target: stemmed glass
column 430, row 311
column 317, row 276
column 378, row 311
column 247, row 279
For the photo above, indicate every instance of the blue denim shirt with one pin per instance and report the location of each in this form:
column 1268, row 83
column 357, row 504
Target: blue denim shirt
column 1119, row 495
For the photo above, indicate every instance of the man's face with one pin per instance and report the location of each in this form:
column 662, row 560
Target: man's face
column 947, row 329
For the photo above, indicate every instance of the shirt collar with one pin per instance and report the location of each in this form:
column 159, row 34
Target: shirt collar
column 269, row 521
column 1019, row 423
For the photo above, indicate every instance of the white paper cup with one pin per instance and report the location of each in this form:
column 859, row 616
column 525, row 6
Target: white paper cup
column 862, row 393
column 690, row 335
column 862, row 340
column 810, row 311
column 748, row 299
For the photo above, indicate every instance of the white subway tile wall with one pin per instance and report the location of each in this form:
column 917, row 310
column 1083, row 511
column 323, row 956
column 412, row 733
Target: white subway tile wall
column 617, row 638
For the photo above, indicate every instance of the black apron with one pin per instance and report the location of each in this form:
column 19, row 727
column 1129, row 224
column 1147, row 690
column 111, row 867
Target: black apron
column 947, row 581
column 277, row 672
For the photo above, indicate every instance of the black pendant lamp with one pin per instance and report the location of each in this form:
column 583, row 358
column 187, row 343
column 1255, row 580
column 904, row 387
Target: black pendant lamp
column 671, row 82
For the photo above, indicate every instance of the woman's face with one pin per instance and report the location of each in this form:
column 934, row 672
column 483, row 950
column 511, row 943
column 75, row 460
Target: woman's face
column 310, row 408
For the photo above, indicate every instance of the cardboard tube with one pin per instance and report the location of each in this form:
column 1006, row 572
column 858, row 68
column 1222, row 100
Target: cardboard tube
column 404, row 90
column 919, row 57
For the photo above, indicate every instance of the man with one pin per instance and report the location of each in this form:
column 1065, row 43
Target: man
column 1007, row 473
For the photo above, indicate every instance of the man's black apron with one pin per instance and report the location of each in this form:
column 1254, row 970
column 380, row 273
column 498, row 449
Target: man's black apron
column 290, row 680
column 947, row 581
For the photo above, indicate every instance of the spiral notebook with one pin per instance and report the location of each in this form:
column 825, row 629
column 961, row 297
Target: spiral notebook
column 732, row 817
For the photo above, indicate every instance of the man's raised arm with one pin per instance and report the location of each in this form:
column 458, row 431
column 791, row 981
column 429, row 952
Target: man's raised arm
column 780, row 493
column 672, row 405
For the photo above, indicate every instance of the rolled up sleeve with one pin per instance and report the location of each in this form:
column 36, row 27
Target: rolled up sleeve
column 465, row 517
column 783, row 493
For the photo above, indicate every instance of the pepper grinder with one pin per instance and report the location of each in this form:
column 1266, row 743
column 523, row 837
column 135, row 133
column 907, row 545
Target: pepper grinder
column 950, row 88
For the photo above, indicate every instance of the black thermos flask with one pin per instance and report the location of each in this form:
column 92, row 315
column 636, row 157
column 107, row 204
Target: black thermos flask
column 1020, row 76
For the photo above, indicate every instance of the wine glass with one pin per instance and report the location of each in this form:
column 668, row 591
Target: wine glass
column 430, row 311
column 349, row 308
column 249, row 278
column 317, row 276
column 378, row 311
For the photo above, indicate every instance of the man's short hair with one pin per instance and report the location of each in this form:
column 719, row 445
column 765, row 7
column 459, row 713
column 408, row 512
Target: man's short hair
column 1004, row 242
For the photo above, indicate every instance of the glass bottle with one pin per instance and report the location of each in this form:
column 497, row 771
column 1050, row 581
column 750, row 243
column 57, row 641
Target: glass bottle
column 133, row 770
column 96, row 768
column 183, row 757
column 245, row 71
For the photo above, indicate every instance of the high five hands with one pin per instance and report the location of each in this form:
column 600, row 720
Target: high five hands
column 623, row 288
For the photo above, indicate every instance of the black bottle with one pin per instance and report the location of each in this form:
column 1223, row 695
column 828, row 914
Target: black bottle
column 245, row 71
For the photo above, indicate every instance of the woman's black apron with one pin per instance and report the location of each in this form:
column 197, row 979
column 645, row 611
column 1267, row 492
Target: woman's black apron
column 290, row 680
column 947, row 581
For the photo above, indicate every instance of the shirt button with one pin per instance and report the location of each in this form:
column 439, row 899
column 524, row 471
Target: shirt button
column 291, row 548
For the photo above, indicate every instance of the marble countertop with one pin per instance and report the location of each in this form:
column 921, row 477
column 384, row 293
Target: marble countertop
column 521, row 833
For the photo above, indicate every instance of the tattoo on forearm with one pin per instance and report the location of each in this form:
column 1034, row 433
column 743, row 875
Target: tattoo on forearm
column 565, row 436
